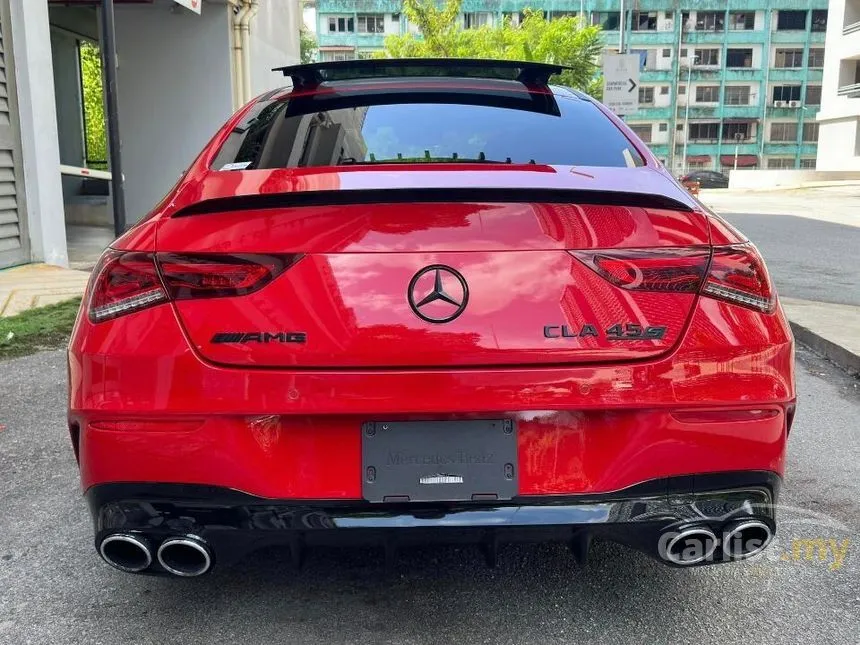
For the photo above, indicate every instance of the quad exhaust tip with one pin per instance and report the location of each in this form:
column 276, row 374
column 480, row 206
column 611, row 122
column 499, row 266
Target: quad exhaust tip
column 185, row 556
column 689, row 546
column 745, row 539
column 125, row 552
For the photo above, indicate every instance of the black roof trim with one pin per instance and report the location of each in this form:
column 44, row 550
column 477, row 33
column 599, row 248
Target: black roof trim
column 429, row 195
column 313, row 74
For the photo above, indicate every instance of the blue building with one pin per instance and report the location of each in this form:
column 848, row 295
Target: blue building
column 720, row 80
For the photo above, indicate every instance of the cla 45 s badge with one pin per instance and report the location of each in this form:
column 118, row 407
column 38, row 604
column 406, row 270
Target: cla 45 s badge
column 627, row 331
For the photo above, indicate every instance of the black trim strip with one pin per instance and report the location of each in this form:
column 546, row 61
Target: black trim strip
column 430, row 195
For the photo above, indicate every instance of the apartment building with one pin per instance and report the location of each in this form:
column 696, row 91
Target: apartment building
column 718, row 77
column 839, row 118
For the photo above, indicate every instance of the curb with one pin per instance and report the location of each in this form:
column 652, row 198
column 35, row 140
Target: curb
column 843, row 357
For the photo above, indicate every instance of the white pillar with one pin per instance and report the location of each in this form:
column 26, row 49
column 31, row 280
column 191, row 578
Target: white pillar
column 40, row 149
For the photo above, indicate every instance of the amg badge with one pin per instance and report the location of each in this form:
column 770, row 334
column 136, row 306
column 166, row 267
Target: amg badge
column 259, row 337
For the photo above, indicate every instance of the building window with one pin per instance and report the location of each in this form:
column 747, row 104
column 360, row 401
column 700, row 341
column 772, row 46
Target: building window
column 808, row 164
column 819, row 22
column 813, row 95
column 738, row 57
column 667, row 53
column 326, row 56
column 780, row 163
column 707, row 57
column 682, row 89
column 371, row 24
column 737, row 95
column 791, row 20
column 340, row 24
column 741, row 20
column 646, row 95
column 704, row 131
column 788, row 58
column 476, row 19
column 644, row 21
column 664, row 90
column 710, row 20
column 708, row 94
column 696, row 164
column 783, row 132
column 786, row 93
column 663, row 127
column 736, row 131
column 642, row 130
column 810, row 132
column 816, row 57
column 608, row 20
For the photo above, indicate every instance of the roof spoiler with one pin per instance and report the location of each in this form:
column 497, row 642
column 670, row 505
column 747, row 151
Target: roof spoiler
column 313, row 74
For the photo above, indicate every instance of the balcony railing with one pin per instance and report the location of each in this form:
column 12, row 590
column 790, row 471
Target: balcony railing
column 851, row 91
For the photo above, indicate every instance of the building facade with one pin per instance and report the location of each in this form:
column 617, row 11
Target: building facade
column 839, row 118
column 720, row 80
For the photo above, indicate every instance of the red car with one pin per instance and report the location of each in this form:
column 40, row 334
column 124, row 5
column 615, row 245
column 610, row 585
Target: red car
column 402, row 301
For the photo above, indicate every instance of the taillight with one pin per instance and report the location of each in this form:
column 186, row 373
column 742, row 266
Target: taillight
column 738, row 275
column 735, row 274
column 212, row 276
column 675, row 270
column 125, row 282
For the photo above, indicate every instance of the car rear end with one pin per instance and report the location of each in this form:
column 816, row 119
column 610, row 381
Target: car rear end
column 414, row 307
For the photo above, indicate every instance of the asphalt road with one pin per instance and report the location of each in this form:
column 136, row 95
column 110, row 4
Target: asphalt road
column 807, row 258
column 54, row 588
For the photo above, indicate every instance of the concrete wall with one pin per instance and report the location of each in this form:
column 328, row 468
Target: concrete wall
column 38, row 123
column 771, row 178
column 274, row 42
column 174, row 91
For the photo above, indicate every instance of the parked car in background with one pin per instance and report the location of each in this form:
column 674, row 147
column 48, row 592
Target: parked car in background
column 706, row 179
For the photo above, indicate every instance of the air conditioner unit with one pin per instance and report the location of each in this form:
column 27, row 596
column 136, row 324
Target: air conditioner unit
column 794, row 104
column 780, row 104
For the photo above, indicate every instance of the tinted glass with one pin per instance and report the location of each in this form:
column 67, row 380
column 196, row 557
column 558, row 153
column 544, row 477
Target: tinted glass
column 390, row 129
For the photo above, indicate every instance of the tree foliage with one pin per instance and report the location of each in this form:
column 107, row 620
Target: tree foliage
column 564, row 41
column 307, row 45
column 94, row 107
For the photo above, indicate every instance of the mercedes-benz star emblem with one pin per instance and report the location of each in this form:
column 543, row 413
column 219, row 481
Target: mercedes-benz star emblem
column 438, row 294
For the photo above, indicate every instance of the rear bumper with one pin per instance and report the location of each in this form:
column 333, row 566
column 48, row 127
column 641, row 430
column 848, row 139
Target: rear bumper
column 232, row 524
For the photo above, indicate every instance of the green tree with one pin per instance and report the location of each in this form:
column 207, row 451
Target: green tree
column 94, row 108
column 307, row 45
column 564, row 41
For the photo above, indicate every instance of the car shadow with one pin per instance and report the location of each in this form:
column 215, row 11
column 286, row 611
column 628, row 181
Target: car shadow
column 431, row 588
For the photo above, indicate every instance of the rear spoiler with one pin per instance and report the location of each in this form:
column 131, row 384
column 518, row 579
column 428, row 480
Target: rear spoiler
column 311, row 75
column 430, row 195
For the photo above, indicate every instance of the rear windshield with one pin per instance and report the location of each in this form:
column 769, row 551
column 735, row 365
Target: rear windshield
column 514, row 128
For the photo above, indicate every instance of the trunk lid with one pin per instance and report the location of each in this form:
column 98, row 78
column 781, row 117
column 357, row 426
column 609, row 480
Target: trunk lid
column 403, row 280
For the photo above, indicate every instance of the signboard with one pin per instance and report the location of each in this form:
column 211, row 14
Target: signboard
column 194, row 5
column 621, row 82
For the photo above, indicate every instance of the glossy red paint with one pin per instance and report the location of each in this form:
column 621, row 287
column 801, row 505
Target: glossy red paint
column 157, row 402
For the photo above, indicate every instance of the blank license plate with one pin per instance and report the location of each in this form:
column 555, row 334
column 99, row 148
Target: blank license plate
column 433, row 461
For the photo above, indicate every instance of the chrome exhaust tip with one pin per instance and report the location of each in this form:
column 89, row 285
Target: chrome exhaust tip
column 126, row 552
column 689, row 546
column 185, row 556
column 745, row 539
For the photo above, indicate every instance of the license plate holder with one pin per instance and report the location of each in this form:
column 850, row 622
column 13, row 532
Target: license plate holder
column 435, row 461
